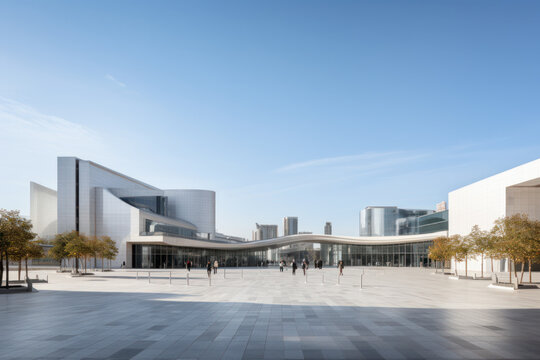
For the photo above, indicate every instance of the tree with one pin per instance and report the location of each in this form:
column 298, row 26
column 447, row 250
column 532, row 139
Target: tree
column 58, row 251
column 440, row 250
column 480, row 244
column 95, row 247
column 109, row 249
column 465, row 249
column 531, row 245
column 456, row 249
column 16, row 233
column 33, row 251
column 77, row 248
column 509, row 235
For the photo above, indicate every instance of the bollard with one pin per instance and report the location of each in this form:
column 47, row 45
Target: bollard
column 224, row 272
column 210, row 280
column 47, row 278
column 305, row 280
column 187, row 279
column 149, row 277
column 361, row 281
column 169, row 278
column 322, row 280
column 242, row 274
column 37, row 277
column 137, row 276
column 338, row 280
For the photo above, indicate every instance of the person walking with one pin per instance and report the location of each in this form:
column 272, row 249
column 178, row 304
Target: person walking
column 294, row 267
column 340, row 267
column 188, row 265
column 304, row 266
column 281, row 266
column 209, row 268
column 216, row 265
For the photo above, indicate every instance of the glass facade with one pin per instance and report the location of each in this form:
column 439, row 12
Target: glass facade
column 167, row 257
column 171, row 257
column 433, row 222
column 152, row 227
column 389, row 221
column 155, row 204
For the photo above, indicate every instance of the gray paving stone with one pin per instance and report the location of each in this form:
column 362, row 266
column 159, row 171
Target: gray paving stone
column 399, row 314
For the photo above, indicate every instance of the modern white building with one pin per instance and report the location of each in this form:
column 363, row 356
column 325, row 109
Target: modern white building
column 155, row 228
column 511, row 192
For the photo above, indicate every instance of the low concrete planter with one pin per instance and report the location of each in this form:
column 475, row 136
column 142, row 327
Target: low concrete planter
column 15, row 289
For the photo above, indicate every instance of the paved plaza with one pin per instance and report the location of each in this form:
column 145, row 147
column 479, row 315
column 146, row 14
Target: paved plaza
column 265, row 314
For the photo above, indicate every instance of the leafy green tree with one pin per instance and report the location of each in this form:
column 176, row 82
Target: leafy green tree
column 95, row 246
column 531, row 244
column 465, row 249
column 58, row 251
column 109, row 249
column 440, row 250
column 16, row 233
column 509, row 235
column 456, row 249
column 481, row 243
column 77, row 248
column 33, row 251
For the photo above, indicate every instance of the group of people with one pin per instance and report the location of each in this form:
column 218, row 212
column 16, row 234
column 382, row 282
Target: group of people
column 305, row 266
column 282, row 265
column 209, row 267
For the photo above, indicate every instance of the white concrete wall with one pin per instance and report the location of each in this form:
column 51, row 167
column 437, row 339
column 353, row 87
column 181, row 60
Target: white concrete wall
column 483, row 202
column 66, row 194
column 195, row 206
column 116, row 219
column 43, row 210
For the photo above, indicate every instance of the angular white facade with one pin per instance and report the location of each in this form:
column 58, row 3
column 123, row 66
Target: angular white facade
column 196, row 206
column 43, row 210
column 511, row 192
column 98, row 201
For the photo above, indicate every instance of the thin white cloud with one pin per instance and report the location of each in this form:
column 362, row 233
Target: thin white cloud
column 31, row 141
column 328, row 161
column 115, row 80
column 21, row 122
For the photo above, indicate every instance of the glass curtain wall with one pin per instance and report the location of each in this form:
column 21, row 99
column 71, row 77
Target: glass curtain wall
column 397, row 255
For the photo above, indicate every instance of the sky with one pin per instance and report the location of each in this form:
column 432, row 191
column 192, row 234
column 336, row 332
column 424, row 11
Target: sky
column 313, row 109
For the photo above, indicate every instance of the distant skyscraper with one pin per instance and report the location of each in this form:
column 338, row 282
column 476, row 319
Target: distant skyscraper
column 264, row 232
column 328, row 228
column 290, row 225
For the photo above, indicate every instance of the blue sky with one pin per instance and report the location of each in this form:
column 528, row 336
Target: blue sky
column 313, row 109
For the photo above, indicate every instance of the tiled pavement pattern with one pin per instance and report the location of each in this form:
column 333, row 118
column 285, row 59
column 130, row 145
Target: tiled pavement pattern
column 400, row 313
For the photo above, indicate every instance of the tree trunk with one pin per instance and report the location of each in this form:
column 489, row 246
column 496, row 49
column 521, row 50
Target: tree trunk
column 466, row 262
column 20, row 269
column 7, row 270
column 482, row 266
column 1, row 267
column 76, row 265
column 102, row 263
column 455, row 263
column 522, row 270
column 491, row 264
column 95, row 263
column 26, row 267
column 530, row 272
column 510, row 270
